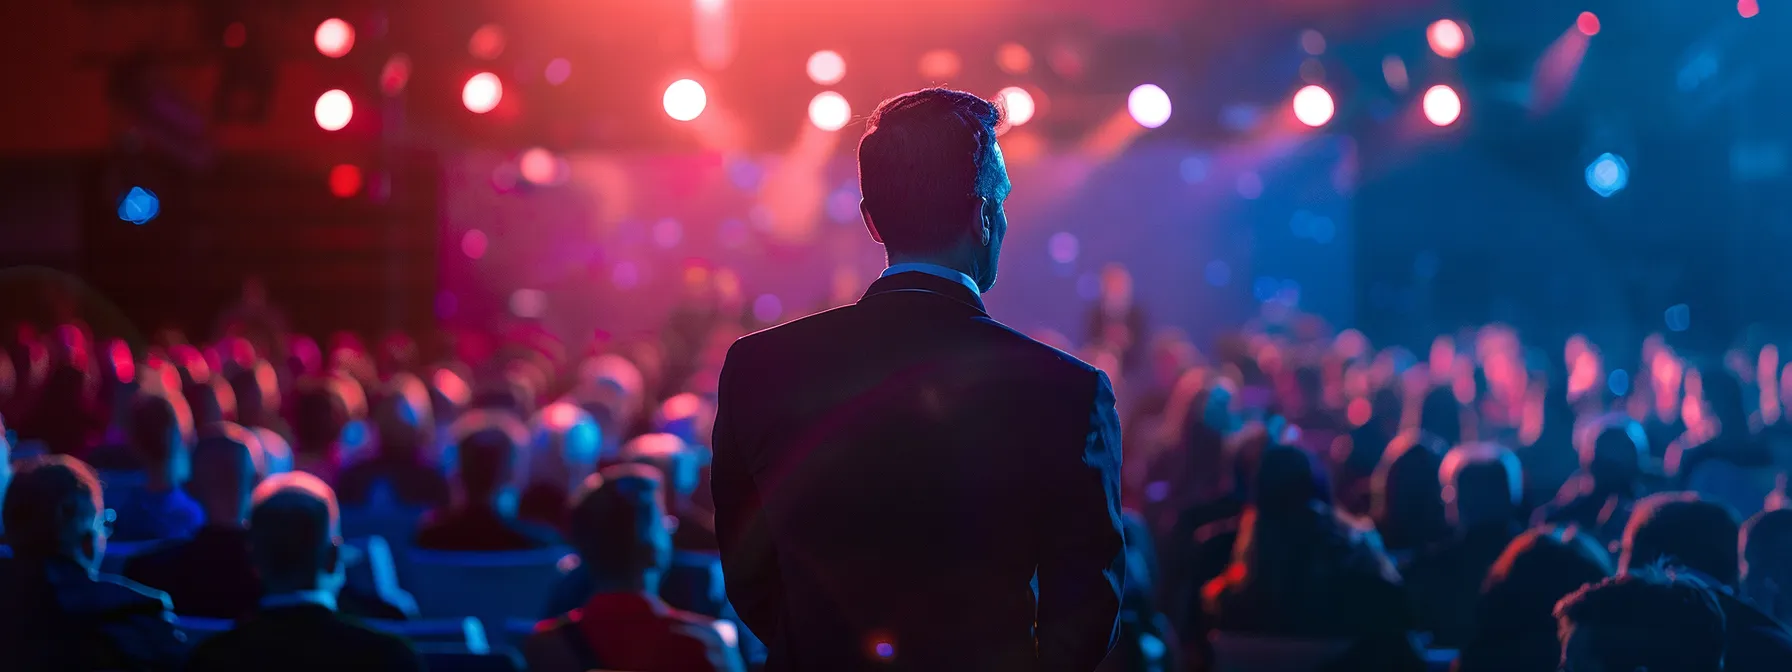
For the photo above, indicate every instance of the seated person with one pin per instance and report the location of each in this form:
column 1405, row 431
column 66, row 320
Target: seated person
column 1767, row 563
column 1515, row 625
column 564, row 448
column 320, row 413
column 1405, row 499
column 210, row 575
column 57, row 612
column 405, row 425
column 679, row 462
column 1702, row 539
column 1599, row 498
column 159, row 508
column 1482, row 487
column 297, row 550
column 484, row 517
column 1642, row 622
column 619, row 529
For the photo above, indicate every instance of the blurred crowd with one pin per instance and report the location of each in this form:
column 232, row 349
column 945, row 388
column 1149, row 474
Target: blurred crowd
column 1298, row 497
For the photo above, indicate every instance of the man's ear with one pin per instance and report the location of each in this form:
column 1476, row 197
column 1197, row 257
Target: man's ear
column 870, row 226
column 986, row 221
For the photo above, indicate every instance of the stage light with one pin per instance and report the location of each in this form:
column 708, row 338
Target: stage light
column 139, row 205
column 539, row 166
column 1313, row 105
column 1063, row 247
column 473, row 244
column 829, row 111
column 1014, row 59
column 1588, row 23
column 1017, row 105
column 487, row 43
column 1447, row 38
column 334, row 38
column 528, row 303
column 482, row 93
column 1394, row 71
column 826, row 67
column 1748, row 8
column 1608, row 174
column 1312, row 42
column 1442, row 105
column 333, row 110
column 395, row 74
column 685, row 100
column 940, row 64
column 1149, row 105
column 557, row 71
column 345, row 180
column 236, row 35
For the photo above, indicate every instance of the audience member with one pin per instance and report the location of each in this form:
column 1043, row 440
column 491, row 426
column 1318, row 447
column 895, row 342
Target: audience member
column 158, row 508
column 1734, row 467
column 405, row 427
column 679, row 464
column 1515, row 625
column 1767, row 563
column 1701, row 539
column 57, row 612
column 1641, row 622
column 211, row 574
column 1300, row 571
column 1600, row 497
column 319, row 415
column 564, row 448
column 1482, row 486
column 297, row 550
column 484, row 516
column 618, row 526
column 210, row 401
column 1406, row 501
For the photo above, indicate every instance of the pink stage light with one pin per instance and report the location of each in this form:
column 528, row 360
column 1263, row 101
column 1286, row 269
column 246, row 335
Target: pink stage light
column 334, row 38
column 826, row 67
column 482, row 93
column 1442, row 105
column 1313, row 105
column 1447, row 38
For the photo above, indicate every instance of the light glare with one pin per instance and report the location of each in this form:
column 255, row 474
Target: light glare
column 685, row 100
column 1149, row 105
column 1313, row 105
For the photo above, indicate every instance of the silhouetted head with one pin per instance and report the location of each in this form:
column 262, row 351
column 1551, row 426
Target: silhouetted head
column 677, row 462
column 1538, row 569
column 934, row 181
column 1680, row 529
column 319, row 414
column 1725, row 398
column 211, row 401
column 1767, row 562
column 565, row 444
column 1482, row 484
column 53, row 511
column 404, row 419
column 257, row 391
column 1289, row 482
column 618, row 525
column 489, row 453
column 1440, row 415
column 1406, row 499
column 161, row 432
column 294, row 534
column 1612, row 452
column 225, row 472
column 1641, row 622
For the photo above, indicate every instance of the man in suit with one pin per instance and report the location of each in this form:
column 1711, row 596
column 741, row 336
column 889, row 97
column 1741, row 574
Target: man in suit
column 211, row 575
column 294, row 539
column 57, row 612
column 905, row 483
column 488, row 457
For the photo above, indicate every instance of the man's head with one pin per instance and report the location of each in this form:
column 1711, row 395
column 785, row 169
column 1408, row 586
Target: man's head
column 679, row 463
column 53, row 510
column 294, row 534
column 618, row 525
column 1767, row 562
column 1612, row 452
column 934, row 181
column 160, row 431
column 1681, row 529
column 1641, row 622
column 224, row 472
column 564, row 445
column 1482, row 484
column 488, row 453
column 319, row 414
column 404, row 418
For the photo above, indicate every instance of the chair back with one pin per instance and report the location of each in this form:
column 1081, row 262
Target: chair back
column 467, row 633
column 199, row 629
column 1241, row 652
column 453, row 658
column 694, row 583
column 494, row 587
column 398, row 525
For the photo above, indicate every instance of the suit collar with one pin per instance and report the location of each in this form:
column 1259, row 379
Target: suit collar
column 914, row 281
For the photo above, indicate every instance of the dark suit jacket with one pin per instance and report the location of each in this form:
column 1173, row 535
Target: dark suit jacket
column 482, row 529
column 55, row 616
column 890, row 475
column 210, row 575
column 303, row 638
column 1753, row 641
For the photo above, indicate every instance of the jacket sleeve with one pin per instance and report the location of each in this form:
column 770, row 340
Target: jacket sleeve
column 749, row 562
column 1083, row 554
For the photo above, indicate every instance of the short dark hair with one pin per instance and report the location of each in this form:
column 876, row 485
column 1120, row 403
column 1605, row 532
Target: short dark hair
column 1682, row 529
column 924, row 157
column 1537, row 570
column 488, row 460
column 293, row 526
column 1767, row 543
column 1647, row 621
column 51, row 502
column 319, row 414
column 618, row 521
column 153, row 418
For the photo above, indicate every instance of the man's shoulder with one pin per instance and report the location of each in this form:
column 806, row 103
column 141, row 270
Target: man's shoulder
column 115, row 594
column 830, row 324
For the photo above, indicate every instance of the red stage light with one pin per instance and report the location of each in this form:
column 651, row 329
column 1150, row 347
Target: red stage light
column 334, row 38
column 334, row 109
column 345, row 180
column 1748, row 8
column 487, row 43
column 1447, row 38
column 482, row 93
column 1588, row 23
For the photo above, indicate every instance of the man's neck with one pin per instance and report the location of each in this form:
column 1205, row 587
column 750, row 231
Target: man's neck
column 951, row 261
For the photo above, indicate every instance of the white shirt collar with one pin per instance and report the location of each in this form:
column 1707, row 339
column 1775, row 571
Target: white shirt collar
column 935, row 270
column 296, row 598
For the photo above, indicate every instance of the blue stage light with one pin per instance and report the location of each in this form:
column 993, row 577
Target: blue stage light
column 1608, row 174
column 139, row 206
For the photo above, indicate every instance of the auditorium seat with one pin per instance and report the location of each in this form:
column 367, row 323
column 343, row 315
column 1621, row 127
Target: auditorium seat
column 494, row 587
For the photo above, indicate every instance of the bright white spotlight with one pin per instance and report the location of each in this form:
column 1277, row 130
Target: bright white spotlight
column 826, row 67
column 1442, row 105
column 482, row 93
column 333, row 110
column 1149, row 105
column 1447, row 38
column 685, row 100
column 1017, row 105
column 829, row 111
column 1313, row 105
column 334, row 38
column 1608, row 174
